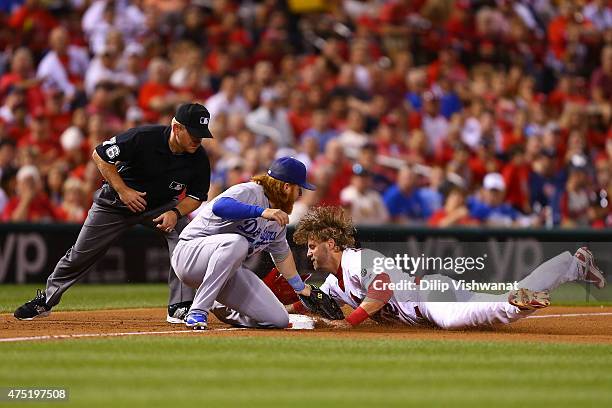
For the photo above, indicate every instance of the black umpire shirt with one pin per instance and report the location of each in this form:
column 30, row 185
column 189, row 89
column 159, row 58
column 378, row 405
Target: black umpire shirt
column 146, row 163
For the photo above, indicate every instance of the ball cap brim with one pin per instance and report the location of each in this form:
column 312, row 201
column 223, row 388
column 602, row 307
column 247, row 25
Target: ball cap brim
column 290, row 170
column 195, row 118
column 200, row 133
column 308, row 186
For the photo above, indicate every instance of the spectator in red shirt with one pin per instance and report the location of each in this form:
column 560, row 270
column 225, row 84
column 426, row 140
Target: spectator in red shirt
column 601, row 79
column 22, row 75
column 417, row 148
column 300, row 116
column 55, row 110
column 516, row 176
column 446, row 149
column 446, row 65
column 575, row 200
column 332, row 173
column 460, row 26
column 194, row 84
column 157, row 95
column 455, row 211
column 33, row 23
column 30, row 204
column 394, row 16
column 395, row 79
column 484, row 161
column 388, row 139
column 39, row 139
column 566, row 25
column 74, row 204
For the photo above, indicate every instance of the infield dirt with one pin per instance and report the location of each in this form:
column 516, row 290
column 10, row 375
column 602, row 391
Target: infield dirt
column 592, row 325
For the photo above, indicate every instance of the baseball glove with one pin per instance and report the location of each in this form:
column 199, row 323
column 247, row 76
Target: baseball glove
column 321, row 304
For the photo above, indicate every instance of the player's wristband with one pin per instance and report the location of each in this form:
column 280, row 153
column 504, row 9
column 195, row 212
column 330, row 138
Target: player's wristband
column 177, row 212
column 357, row 316
column 296, row 283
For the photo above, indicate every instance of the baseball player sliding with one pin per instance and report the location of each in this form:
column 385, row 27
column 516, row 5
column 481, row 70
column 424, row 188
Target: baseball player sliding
column 328, row 233
column 242, row 221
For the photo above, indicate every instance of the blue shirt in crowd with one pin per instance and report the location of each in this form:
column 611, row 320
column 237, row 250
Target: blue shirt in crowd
column 8, row 6
column 500, row 214
column 450, row 104
column 414, row 205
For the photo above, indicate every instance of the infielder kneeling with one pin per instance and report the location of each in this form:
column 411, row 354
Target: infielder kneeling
column 328, row 232
column 245, row 219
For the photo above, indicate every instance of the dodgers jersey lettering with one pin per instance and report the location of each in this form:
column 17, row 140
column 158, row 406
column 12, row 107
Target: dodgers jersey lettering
column 262, row 234
column 357, row 278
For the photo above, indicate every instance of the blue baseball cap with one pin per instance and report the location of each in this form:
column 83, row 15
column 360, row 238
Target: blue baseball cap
column 291, row 171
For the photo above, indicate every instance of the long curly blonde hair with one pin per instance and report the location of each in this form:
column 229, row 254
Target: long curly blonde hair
column 323, row 223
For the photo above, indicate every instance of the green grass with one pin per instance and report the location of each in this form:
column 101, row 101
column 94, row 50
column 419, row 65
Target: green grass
column 94, row 297
column 580, row 294
column 198, row 370
column 90, row 297
column 206, row 371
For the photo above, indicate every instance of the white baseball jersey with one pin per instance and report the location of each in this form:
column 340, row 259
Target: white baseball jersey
column 356, row 277
column 262, row 234
column 481, row 310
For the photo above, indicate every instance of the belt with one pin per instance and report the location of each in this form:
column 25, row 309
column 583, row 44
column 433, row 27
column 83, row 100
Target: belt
column 418, row 312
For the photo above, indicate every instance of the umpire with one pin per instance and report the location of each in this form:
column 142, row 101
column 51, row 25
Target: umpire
column 146, row 168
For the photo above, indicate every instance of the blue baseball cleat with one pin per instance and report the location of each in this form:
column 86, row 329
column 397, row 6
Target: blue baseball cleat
column 197, row 321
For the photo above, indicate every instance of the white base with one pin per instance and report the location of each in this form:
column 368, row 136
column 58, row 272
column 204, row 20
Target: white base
column 301, row 322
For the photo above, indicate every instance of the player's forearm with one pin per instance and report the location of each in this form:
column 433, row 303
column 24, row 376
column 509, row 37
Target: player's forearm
column 366, row 309
column 110, row 173
column 287, row 268
column 371, row 306
column 377, row 296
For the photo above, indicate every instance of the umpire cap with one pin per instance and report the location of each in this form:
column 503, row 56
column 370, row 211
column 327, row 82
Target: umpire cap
column 195, row 118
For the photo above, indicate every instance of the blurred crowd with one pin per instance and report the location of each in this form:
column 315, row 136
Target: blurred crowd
column 421, row 112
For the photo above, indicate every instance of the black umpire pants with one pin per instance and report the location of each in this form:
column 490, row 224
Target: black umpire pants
column 107, row 219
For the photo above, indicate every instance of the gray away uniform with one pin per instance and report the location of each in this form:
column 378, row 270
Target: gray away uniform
column 210, row 256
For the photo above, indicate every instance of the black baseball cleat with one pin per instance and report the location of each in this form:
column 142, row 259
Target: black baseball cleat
column 36, row 307
column 177, row 312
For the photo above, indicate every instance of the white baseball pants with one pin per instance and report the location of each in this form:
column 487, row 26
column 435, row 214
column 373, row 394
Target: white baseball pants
column 476, row 309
